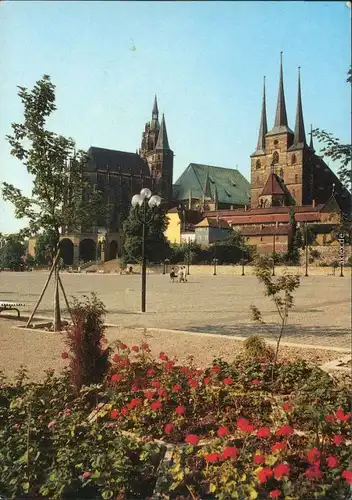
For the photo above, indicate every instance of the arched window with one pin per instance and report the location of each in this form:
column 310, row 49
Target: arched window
column 293, row 160
column 296, row 179
column 275, row 157
column 293, row 193
column 276, row 143
column 257, row 164
column 281, row 173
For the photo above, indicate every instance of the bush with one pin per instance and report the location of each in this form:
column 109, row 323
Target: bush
column 255, row 347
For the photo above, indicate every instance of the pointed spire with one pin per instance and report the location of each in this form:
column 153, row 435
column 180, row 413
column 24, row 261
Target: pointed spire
column 207, row 189
column 155, row 112
column 311, row 145
column 280, row 124
column 162, row 142
column 300, row 135
column 216, row 197
column 263, row 128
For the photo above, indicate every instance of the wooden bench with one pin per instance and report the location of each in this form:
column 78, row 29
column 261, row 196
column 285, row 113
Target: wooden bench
column 6, row 305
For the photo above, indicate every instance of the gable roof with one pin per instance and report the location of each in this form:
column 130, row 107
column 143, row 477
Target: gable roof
column 103, row 159
column 232, row 188
column 213, row 222
column 272, row 186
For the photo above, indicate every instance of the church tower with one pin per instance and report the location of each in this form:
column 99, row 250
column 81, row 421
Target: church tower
column 156, row 151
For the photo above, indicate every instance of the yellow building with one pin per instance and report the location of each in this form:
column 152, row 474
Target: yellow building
column 180, row 221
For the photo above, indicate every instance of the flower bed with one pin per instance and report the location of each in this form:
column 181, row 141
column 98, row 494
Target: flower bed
column 243, row 430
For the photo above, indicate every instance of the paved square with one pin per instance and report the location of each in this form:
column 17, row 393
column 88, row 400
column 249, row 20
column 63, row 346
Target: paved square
column 214, row 304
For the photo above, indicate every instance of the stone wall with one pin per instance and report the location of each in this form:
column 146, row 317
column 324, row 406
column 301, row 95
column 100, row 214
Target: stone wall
column 328, row 254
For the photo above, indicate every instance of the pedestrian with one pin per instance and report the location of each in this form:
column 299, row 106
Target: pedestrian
column 180, row 275
column 172, row 275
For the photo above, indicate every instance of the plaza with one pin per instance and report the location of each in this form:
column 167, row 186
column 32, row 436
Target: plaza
column 217, row 305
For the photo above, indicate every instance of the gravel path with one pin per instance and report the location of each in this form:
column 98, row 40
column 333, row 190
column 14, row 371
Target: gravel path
column 41, row 350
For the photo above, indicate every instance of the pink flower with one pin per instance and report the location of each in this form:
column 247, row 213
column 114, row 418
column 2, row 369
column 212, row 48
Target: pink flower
column 104, row 340
column 114, row 413
column 156, row 405
column 135, row 348
column 156, row 384
column 258, row 459
column 255, row 381
column 134, row 388
column 116, row 358
column 228, row 381
column 281, row 470
column 64, row 355
column 216, row 369
column 212, row 457
column 264, row 474
column 263, row 432
column 192, row 439
column 287, row 407
column 285, row 430
column 244, row 425
column 332, row 462
column 168, row 428
column 163, row 356
column 338, row 439
column 347, row 475
column 313, row 455
column 223, row 431
column 150, row 372
column 86, row 475
column 145, row 347
column 275, row 494
column 51, row 424
column 116, row 377
column 123, row 346
column 162, row 392
column 176, row 388
column 180, row 410
column 230, row 452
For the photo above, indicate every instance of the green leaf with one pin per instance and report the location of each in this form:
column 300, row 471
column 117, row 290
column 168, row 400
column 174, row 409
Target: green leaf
column 23, row 459
column 107, row 494
column 212, row 488
column 25, row 487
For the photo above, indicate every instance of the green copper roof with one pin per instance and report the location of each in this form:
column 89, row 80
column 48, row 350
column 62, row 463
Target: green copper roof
column 226, row 183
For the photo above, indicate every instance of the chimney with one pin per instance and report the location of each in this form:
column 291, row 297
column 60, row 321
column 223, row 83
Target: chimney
column 245, row 208
column 313, row 203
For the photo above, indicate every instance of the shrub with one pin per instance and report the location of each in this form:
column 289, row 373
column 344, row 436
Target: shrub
column 89, row 359
column 256, row 347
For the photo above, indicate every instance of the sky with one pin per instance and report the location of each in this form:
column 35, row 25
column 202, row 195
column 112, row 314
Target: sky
column 204, row 60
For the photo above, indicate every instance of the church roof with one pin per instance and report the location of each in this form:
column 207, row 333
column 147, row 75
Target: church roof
column 213, row 222
column 232, row 188
column 299, row 140
column 281, row 123
column 103, row 159
column 162, row 142
column 273, row 186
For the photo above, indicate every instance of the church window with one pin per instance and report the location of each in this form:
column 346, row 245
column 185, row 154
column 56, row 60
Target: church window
column 258, row 164
column 276, row 143
column 293, row 160
column 296, row 179
column 275, row 157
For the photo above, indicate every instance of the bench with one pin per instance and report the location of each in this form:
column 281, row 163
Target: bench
column 6, row 305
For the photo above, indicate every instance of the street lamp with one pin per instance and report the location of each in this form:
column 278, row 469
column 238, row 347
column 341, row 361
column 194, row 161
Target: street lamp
column 166, row 261
column 273, row 273
column 215, row 261
column 306, row 244
column 140, row 202
column 188, row 255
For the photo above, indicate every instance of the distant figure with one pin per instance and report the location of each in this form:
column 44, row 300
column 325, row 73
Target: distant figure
column 184, row 274
column 130, row 270
column 181, row 275
column 172, row 275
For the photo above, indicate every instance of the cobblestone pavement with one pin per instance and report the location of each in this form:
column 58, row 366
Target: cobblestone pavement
column 213, row 304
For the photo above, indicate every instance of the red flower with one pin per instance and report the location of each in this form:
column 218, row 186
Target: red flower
column 176, row 388
column 230, row 452
column 180, row 410
column 163, row 356
column 134, row 387
column 255, row 381
column 192, row 383
column 115, row 413
column 212, row 457
column 223, row 431
column 263, row 432
column 258, row 459
column 150, row 372
column 216, row 369
column 332, row 462
column 162, row 392
column 278, row 447
column 342, row 416
column 313, row 472
column 285, row 430
column 192, row 439
column 275, row 494
column 135, row 348
column 124, row 411
column 338, row 439
column 227, row 381
column 116, row 377
column 168, row 428
column 64, row 355
column 169, row 365
column 149, row 394
column 116, row 358
column 244, row 425
column 264, row 474
column 347, row 474
column 206, row 380
column 281, row 470
column 145, row 347
column 313, row 455
column 86, row 475
column 156, row 384
column 287, row 407
column 329, row 418
column 135, row 402
column 123, row 346
column 125, row 362
column 156, row 405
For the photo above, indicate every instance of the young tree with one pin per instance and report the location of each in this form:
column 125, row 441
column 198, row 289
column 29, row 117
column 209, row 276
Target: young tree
column 294, row 243
column 157, row 246
column 12, row 251
column 56, row 168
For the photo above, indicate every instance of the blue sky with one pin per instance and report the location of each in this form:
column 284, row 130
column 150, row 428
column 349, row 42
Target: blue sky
column 204, row 60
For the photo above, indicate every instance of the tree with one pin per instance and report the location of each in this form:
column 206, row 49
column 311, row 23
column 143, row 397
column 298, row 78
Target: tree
column 60, row 196
column 44, row 245
column 295, row 242
column 12, row 252
column 157, row 247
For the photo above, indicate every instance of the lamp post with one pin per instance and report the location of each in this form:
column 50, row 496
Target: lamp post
column 215, row 261
column 273, row 273
column 140, row 202
column 342, row 252
column 166, row 261
column 306, row 244
column 188, row 254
